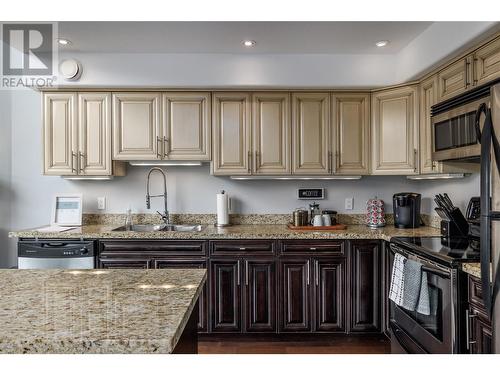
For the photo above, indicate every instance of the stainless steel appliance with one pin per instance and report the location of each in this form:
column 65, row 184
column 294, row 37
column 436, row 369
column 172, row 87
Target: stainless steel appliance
column 439, row 332
column 49, row 254
column 406, row 210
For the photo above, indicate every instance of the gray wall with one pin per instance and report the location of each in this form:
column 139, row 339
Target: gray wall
column 6, row 256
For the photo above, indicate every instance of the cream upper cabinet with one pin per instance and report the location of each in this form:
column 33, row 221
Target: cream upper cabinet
column 395, row 131
column 136, row 126
column 351, row 133
column 60, row 133
column 271, row 128
column 231, row 133
column 487, row 62
column 454, row 79
column 311, row 134
column 187, row 131
column 94, row 134
column 428, row 97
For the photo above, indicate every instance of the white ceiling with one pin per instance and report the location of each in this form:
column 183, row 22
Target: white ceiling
column 226, row 37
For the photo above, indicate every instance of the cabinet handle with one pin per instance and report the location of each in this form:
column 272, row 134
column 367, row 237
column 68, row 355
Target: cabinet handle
column 249, row 161
column 158, row 147
column 307, row 272
column 316, row 272
column 242, row 248
column 415, row 160
column 257, row 158
column 312, row 248
column 246, row 272
column 468, row 318
column 82, row 163
column 330, row 166
column 165, row 147
column 73, row 158
column 466, row 73
column 474, row 71
column 238, row 271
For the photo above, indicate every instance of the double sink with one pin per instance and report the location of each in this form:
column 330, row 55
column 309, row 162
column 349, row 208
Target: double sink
column 160, row 228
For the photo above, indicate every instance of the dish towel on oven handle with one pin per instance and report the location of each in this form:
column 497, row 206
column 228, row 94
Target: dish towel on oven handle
column 412, row 283
column 397, row 279
column 423, row 305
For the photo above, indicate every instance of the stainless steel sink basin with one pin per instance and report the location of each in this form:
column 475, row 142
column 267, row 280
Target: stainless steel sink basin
column 161, row 228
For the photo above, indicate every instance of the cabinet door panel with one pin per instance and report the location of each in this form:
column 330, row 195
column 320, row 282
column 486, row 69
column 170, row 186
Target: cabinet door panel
column 260, row 295
column 330, row 286
column 94, row 124
column 231, row 134
column 351, row 114
column 202, row 300
column 428, row 97
column 481, row 332
column 395, row 131
column 311, row 133
column 366, row 286
column 187, row 126
column 124, row 263
column 487, row 63
column 454, row 79
column 225, row 296
column 295, row 295
column 136, row 126
column 60, row 133
column 271, row 133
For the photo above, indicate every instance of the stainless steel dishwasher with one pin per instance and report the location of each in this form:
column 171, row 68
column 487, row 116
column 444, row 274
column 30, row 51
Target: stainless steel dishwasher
column 57, row 254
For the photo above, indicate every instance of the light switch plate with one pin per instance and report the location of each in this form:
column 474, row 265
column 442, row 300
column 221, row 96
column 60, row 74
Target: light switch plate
column 101, row 203
column 349, row 203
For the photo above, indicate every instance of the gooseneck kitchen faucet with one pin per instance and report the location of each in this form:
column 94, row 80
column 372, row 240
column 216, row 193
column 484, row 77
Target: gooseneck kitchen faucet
column 165, row 216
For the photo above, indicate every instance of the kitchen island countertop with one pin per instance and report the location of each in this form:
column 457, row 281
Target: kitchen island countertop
column 96, row 311
column 250, row 231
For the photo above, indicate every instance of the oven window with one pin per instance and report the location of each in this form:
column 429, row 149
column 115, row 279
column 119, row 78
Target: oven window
column 432, row 323
column 456, row 132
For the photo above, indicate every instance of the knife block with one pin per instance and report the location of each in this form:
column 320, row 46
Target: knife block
column 456, row 226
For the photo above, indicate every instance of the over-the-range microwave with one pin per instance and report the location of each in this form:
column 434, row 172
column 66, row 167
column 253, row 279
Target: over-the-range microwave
column 453, row 127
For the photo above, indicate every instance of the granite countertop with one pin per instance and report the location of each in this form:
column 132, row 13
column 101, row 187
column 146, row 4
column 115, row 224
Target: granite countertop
column 96, row 311
column 250, row 231
column 473, row 269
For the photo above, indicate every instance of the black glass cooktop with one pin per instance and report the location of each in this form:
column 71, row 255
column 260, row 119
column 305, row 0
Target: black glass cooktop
column 448, row 249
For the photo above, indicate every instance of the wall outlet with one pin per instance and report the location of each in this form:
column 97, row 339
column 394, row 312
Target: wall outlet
column 349, row 203
column 101, row 203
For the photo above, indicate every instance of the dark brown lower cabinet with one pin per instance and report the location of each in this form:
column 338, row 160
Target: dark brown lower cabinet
column 295, row 295
column 329, row 295
column 365, row 286
column 479, row 336
column 260, row 295
column 225, row 287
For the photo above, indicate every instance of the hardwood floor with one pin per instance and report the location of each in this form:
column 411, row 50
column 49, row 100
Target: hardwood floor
column 335, row 345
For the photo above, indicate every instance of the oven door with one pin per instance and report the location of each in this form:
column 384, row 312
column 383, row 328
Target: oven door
column 431, row 333
column 454, row 133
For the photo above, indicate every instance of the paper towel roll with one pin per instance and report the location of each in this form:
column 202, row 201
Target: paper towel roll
column 222, row 209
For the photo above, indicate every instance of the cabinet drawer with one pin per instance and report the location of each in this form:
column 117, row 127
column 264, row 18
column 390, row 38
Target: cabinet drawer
column 475, row 292
column 250, row 247
column 152, row 248
column 313, row 247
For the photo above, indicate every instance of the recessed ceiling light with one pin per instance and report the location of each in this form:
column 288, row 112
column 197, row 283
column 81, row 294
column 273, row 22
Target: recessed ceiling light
column 63, row 42
column 382, row 43
column 249, row 43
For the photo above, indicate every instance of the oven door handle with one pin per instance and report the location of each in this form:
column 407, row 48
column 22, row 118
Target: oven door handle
column 427, row 265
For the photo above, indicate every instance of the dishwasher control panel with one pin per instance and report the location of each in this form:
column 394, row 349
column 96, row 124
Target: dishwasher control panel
column 55, row 249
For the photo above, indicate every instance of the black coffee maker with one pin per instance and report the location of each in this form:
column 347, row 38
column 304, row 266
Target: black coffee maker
column 406, row 210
